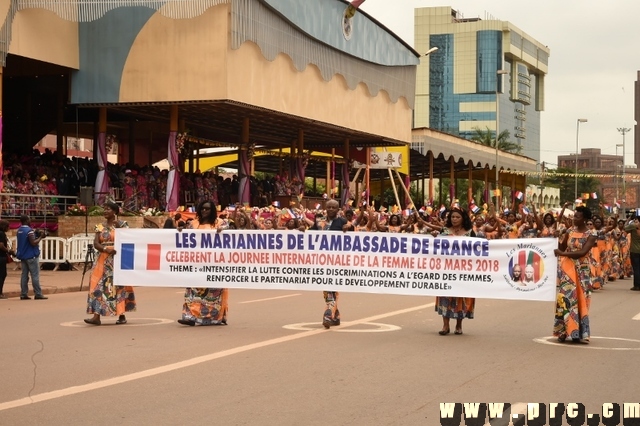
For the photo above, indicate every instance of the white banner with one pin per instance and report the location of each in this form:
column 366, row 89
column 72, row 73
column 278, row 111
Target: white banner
column 363, row 262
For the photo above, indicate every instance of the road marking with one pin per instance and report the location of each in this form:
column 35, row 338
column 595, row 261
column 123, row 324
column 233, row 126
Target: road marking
column 269, row 298
column 517, row 410
column 568, row 344
column 341, row 329
column 130, row 323
column 637, row 317
column 73, row 390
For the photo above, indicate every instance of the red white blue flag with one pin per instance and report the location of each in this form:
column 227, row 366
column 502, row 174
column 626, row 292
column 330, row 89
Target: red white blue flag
column 147, row 258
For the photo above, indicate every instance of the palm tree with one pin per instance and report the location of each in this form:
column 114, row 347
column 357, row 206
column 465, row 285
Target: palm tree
column 504, row 144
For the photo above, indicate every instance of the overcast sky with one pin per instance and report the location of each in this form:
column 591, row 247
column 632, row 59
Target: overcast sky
column 595, row 58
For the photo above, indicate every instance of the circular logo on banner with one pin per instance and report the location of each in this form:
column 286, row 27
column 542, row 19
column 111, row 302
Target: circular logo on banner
column 526, row 270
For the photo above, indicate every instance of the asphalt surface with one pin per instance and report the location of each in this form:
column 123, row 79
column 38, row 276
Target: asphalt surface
column 274, row 364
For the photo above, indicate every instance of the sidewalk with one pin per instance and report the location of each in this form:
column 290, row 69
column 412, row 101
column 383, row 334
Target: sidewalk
column 51, row 281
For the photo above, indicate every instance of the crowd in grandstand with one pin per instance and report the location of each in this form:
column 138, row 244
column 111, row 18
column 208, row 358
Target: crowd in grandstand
column 138, row 187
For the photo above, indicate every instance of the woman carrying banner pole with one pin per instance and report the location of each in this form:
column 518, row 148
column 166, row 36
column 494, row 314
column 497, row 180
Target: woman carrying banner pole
column 106, row 299
column 574, row 284
column 458, row 224
column 332, row 222
column 205, row 306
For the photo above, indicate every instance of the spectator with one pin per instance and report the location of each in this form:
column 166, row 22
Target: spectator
column 29, row 255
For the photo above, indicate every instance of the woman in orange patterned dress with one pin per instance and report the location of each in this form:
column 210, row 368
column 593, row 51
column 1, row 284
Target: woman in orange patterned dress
column 458, row 224
column 104, row 298
column 574, row 284
column 205, row 306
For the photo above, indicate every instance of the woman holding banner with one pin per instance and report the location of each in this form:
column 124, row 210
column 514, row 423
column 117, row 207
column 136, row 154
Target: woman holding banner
column 458, row 224
column 332, row 222
column 106, row 299
column 574, row 285
column 205, row 306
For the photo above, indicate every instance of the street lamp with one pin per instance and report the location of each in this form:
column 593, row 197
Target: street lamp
column 499, row 73
column 430, row 51
column 617, row 167
column 624, row 131
column 580, row 120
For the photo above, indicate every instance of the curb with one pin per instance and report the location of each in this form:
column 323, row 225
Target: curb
column 48, row 290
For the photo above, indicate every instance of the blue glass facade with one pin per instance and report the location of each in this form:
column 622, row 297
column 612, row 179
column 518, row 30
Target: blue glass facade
column 516, row 95
column 488, row 61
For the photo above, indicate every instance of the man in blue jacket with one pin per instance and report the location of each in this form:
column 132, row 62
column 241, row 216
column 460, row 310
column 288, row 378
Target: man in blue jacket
column 29, row 254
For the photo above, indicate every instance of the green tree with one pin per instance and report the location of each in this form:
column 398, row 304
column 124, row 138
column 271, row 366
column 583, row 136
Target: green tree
column 487, row 138
column 564, row 179
column 462, row 188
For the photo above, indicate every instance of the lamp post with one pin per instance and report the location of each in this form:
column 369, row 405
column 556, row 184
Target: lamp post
column 499, row 73
column 617, row 167
column 430, row 51
column 624, row 131
column 580, row 120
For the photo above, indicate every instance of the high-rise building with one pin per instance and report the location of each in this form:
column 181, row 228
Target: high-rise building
column 460, row 88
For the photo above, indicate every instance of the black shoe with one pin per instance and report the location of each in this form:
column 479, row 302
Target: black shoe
column 326, row 322
column 632, row 289
column 121, row 320
column 335, row 322
column 41, row 297
column 92, row 321
column 326, row 319
column 186, row 322
column 25, row 298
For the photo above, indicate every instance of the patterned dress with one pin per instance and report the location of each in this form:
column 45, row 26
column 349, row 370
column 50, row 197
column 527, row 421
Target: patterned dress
column 597, row 252
column 615, row 256
column 455, row 307
column 574, row 287
column 206, row 306
column 105, row 298
column 625, row 259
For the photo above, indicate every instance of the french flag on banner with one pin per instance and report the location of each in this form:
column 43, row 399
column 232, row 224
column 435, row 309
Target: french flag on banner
column 140, row 257
column 318, row 206
column 519, row 195
column 608, row 208
column 475, row 209
column 525, row 210
column 276, row 204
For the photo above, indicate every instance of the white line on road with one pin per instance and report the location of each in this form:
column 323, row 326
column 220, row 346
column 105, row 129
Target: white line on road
column 270, row 298
column 582, row 345
column 637, row 317
column 60, row 393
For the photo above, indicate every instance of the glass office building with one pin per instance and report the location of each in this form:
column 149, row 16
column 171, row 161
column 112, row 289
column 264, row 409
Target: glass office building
column 458, row 87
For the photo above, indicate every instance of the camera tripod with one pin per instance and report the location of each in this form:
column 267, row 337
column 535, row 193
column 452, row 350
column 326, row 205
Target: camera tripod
column 89, row 259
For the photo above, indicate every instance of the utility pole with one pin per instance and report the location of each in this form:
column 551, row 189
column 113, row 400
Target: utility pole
column 624, row 131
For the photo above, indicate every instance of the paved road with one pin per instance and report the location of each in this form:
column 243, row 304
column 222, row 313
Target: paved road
column 386, row 365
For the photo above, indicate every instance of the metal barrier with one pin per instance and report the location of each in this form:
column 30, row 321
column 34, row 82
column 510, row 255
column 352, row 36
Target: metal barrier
column 59, row 250
column 36, row 206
